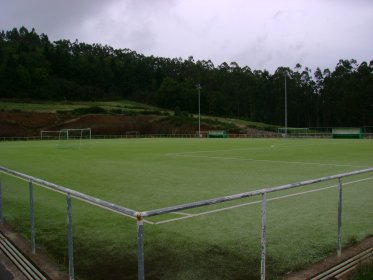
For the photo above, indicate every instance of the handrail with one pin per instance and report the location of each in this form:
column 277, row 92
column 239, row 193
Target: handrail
column 175, row 208
column 155, row 212
column 140, row 215
column 81, row 196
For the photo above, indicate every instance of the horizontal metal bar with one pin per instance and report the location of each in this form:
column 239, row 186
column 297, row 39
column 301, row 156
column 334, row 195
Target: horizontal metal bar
column 81, row 196
column 161, row 211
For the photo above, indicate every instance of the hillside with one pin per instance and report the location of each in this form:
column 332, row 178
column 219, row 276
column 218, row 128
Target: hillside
column 25, row 119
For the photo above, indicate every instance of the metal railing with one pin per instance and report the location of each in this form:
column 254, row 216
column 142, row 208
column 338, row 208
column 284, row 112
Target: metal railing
column 185, row 135
column 140, row 216
column 69, row 194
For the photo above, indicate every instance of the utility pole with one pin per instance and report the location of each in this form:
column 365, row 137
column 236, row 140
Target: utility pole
column 286, row 108
column 198, row 86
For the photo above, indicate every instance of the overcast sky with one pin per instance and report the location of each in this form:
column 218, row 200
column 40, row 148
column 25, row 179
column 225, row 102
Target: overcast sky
column 261, row 34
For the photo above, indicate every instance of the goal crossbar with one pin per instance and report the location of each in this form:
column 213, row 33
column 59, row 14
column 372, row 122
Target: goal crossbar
column 74, row 133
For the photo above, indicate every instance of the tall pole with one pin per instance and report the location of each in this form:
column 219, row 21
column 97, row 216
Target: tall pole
column 286, row 109
column 70, row 246
column 264, row 237
column 339, row 242
column 32, row 217
column 199, row 109
column 140, row 246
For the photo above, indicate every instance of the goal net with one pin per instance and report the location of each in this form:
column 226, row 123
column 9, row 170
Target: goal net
column 73, row 137
column 293, row 132
column 305, row 132
column 74, row 134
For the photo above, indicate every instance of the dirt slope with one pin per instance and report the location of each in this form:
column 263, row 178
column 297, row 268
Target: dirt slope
column 25, row 124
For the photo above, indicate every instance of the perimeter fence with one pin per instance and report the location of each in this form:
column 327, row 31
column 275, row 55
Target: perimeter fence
column 140, row 216
column 230, row 135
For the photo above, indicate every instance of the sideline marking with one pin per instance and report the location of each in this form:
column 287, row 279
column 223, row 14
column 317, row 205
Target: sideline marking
column 270, row 161
column 238, row 149
column 256, row 202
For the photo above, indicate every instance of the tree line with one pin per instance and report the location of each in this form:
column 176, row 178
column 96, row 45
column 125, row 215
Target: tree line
column 33, row 67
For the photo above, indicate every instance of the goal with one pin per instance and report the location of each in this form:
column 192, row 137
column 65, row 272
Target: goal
column 293, row 132
column 305, row 132
column 74, row 134
column 73, row 137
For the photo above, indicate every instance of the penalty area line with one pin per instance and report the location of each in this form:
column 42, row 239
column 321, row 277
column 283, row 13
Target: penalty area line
column 188, row 216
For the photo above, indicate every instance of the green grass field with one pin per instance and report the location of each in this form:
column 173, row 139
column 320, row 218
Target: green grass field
column 144, row 174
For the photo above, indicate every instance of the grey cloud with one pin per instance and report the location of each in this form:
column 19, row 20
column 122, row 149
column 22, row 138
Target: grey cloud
column 260, row 34
column 47, row 16
column 277, row 15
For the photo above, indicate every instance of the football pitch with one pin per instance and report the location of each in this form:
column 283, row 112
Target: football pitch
column 213, row 242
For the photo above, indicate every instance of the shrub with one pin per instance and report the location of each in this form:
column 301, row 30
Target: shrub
column 89, row 110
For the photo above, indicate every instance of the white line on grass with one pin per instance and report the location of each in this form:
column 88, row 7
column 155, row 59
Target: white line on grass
column 237, row 149
column 256, row 202
column 271, row 161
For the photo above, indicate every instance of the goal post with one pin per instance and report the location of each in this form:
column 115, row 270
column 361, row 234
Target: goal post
column 305, row 132
column 75, row 134
column 293, row 131
column 72, row 137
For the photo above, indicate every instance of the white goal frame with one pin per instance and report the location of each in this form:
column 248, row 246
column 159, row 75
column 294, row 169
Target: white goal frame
column 75, row 137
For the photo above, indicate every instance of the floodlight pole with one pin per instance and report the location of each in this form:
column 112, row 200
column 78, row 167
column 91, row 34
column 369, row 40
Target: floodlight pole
column 286, row 108
column 198, row 86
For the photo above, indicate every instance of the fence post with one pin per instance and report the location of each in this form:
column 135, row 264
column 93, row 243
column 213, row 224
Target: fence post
column 339, row 242
column 1, row 202
column 70, row 237
column 32, row 217
column 140, row 246
column 264, row 236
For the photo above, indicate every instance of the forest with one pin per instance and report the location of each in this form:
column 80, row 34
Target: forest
column 34, row 68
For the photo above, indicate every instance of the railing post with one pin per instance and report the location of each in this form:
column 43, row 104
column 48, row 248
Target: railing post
column 339, row 242
column 70, row 237
column 32, row 217
column 264, row 236
column 140, row 246
column 1, row 202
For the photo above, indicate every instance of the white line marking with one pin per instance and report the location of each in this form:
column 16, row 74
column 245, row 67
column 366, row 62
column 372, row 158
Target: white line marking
column 285, row 145
column 258, row 201
column 221, row 150
column 270, row 161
